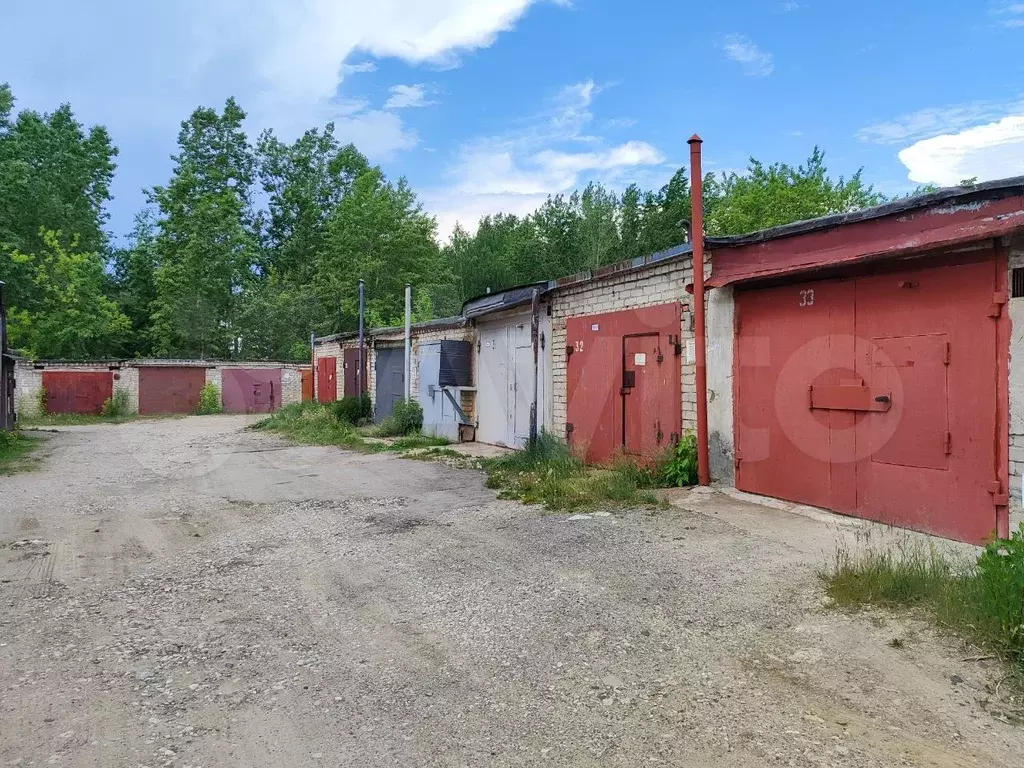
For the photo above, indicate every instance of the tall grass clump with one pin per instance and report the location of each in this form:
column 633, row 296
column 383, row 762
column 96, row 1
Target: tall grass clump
column 546, row 472
column 209, row 400
column 981, row 599
column 406, row 419
column 312, row 424
column 118, row 405
column 14, row 450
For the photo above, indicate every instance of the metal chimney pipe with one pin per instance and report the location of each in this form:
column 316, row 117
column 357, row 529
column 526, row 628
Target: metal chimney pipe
column 699, row 330
column 360, row 384
column 408, row 341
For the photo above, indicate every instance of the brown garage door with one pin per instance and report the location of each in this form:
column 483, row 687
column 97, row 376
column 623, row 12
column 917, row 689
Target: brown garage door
column 876, row 396
column 77, row 391
column 170, row 389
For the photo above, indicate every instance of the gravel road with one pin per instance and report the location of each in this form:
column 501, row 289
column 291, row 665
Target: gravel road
column 185, row 593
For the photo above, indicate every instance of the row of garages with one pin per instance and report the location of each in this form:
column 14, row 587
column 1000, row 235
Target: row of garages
column 865, row 363
column 156, row 387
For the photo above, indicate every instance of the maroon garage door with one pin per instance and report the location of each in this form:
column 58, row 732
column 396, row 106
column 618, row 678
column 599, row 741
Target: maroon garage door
column 252, row 390
column 170, row 390
column 77, row 391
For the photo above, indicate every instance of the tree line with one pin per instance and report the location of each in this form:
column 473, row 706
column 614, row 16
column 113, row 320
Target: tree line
column 250, row 246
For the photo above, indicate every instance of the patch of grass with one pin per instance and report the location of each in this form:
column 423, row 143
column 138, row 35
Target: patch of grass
column 15, row 450
column 547, row 473
column 354, row 410
column 314, row 424
column 981, row 600
column 72, row 420
column 412, row 442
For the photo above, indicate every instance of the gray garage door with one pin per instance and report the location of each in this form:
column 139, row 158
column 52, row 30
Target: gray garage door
column 390, row 380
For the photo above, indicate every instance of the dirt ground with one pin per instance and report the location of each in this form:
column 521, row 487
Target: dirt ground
column 185, row 593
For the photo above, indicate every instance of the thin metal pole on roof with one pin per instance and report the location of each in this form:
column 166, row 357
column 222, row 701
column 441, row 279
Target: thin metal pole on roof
column 360, row 384
column 408, row 341
column 535, row 340
column 697, row 237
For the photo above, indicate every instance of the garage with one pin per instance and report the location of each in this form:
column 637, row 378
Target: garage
column 81, row 392
column 623, row 383
column 326, row 379
column 872, row 359
column 167, row 389
column 251, row 390
column 389, row 381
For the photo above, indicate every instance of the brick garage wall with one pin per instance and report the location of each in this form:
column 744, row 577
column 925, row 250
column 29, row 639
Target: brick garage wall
column 28, row 381
column 291, row 376
column 333, row 348
column 460, row 333
column 1016, row 310
column 659, row 283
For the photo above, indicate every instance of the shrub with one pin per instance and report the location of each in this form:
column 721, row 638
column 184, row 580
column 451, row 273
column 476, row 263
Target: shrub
column 680, row 465
column 312, row 424
column 209, row 400
column 118, row 405
column 41, row 402
column 353, row 410
column 407, row 419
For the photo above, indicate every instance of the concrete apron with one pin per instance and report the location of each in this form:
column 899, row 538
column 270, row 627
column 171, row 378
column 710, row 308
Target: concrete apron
column 806, row 529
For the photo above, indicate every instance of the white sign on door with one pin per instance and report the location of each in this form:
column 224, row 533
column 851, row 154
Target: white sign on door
column 640, row 358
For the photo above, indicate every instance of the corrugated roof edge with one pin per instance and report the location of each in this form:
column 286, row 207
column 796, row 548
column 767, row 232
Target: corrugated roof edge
column 489, row 303
column 623, row 266
column 987, row 190
column 426, row 325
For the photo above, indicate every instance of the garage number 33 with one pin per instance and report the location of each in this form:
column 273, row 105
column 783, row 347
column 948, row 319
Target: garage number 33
column 807, row 298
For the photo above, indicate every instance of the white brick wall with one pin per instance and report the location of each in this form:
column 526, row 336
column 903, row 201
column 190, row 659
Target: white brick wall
column 661, row 283
column 395, row 339
column 29, row 379
column 1016, row 374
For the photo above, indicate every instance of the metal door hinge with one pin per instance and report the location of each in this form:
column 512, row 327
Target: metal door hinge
column 999, row 496
column 658, row 435
column 998, row 300
column 947, row 353
column 947, row 445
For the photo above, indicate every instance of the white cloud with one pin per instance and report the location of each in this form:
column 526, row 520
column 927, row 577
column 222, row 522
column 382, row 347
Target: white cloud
column 926, row 123
column 1011, row 16
column 515, row 173
column 790, row 6
column 756, row 62
column 355, row 69
column 407, row 96
column 141, row 67
column 991, row 151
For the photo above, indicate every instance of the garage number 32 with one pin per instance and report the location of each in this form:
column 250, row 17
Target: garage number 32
column 807, row 298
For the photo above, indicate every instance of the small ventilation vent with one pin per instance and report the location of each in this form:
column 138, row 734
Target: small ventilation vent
column 1017, row 289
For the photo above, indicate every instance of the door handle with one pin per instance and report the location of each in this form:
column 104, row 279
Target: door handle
column 882, row 399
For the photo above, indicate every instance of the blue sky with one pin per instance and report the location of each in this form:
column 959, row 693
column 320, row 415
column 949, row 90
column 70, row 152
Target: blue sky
column 489, row 105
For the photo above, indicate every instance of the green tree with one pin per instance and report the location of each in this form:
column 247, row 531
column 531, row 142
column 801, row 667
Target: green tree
column 205, row 247
column 134, row 274
column 72, row 318
column 773, row 195
column 378, row 233
column 54, row 177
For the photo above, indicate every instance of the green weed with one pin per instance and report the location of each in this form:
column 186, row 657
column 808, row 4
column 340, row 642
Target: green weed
column 354, row 410
column 14, row 452
column 679, row 467
column 980, row 599
column 547, row 473
column 313, row 424
column 118, row 405
column 407, row 419
column 209, row 400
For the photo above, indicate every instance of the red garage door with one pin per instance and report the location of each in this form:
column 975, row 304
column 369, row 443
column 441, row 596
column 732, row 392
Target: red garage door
column 623, row 383
column 876, row 396
column 77, row 391
column 326, row 379
column 170, row 390
column 251, row 390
